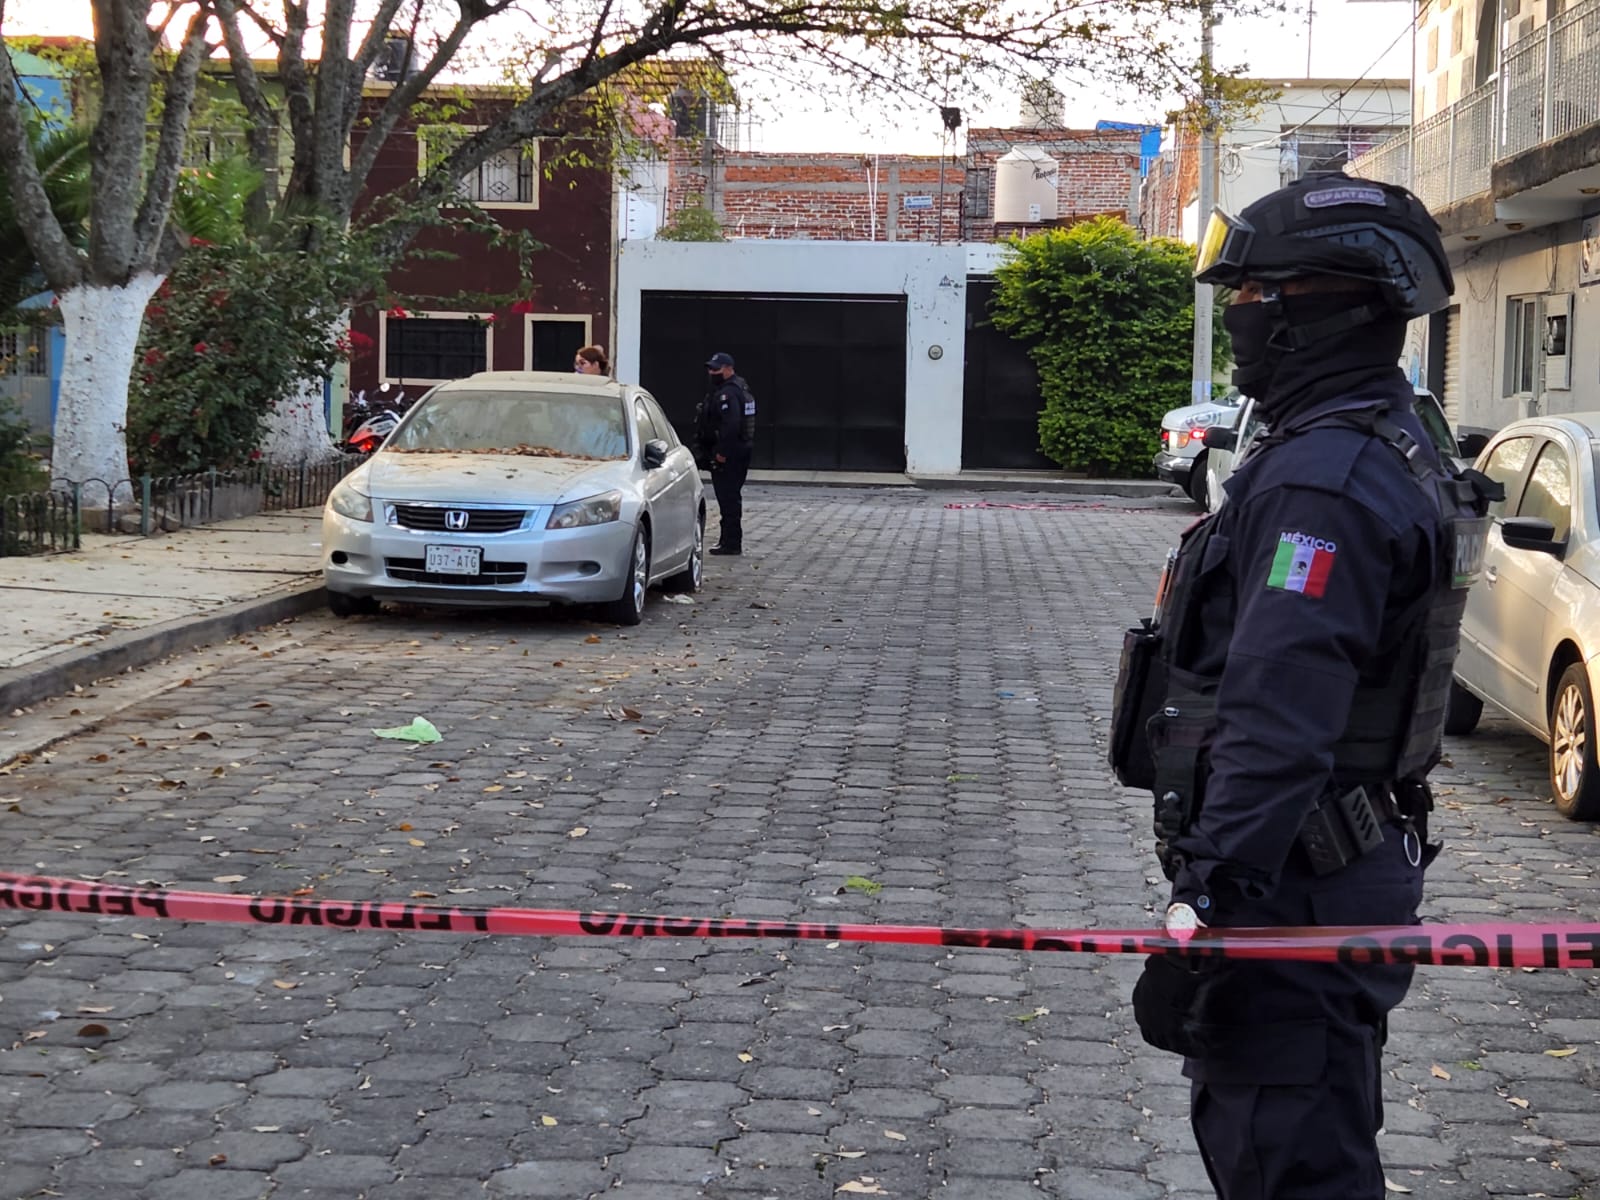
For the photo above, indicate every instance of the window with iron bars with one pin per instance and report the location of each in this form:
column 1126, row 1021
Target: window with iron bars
column 977, row 199
column 1317, row 150
column 509, row 178
column 23, row 351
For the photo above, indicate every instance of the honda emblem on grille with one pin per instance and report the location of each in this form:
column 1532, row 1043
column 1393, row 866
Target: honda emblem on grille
column 455, row 518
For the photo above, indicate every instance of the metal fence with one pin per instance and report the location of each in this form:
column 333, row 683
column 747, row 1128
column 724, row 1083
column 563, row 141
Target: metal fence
column 1548, row 86
column 48, row 522
column 40, row 523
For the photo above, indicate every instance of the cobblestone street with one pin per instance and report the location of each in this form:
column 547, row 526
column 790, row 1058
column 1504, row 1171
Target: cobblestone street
column 887, row 690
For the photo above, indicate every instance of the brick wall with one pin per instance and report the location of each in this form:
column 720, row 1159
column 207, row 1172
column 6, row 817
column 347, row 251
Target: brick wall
column 1098, row 173
column 851, row 197
column 857, row 197
column 1171, row 186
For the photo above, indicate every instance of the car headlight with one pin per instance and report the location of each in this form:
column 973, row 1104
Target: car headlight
column 347, row 502
column 595, row 510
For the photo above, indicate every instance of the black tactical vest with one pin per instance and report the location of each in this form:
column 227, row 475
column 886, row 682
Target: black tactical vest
column 1165, row 712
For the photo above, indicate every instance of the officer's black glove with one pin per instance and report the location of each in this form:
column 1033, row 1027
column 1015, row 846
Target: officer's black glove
column 1181, row 1004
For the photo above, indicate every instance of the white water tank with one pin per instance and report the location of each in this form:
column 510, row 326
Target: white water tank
column 1025, row 180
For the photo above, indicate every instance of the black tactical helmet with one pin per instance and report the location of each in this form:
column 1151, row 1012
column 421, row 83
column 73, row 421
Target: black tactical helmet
column 1333, row 225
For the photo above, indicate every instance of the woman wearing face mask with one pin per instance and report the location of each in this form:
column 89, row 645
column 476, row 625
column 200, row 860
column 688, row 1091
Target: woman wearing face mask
column 591, row 360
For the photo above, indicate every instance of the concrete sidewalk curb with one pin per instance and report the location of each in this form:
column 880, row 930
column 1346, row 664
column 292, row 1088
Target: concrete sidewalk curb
column 1123, row 488
column 59, row 673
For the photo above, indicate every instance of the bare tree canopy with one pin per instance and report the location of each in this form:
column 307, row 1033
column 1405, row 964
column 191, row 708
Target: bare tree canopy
column 550, row 54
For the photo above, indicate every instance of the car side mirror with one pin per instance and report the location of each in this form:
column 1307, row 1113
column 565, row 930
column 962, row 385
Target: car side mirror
column 655, row 453
column 1532, row 533
column 1220, row 438
column 1472, row 444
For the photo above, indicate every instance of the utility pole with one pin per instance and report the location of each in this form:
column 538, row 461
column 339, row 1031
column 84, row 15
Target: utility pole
column 1201, row 386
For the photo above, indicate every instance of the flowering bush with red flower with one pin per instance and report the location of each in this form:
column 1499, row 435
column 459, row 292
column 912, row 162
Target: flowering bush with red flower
column 235, row 330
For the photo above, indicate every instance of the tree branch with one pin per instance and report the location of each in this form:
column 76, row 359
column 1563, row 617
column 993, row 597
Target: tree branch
column 63, row 265
column 262, row 132
column 177, row 103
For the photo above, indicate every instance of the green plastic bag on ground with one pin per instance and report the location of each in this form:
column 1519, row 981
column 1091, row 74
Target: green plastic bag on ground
column 420, row 730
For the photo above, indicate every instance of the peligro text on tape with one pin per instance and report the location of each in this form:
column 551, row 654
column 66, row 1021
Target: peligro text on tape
column 1483, row 945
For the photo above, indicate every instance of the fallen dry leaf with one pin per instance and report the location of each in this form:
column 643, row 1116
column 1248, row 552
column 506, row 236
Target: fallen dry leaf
column 747, row 1058
column 577, row 831
column 95, row 1009
column 33, row 1035
column 1439, row 1072
column 216, row 1160
column 548, row 1121
column 227, row 879
column 415, row 842
column 94, row 1030
column 893, row 1136
column 286, row 985
column 424, row 895
column 404, row 827
column 861, row 1187
column 1518, row 1101
column 266, row 1128
column 1565, row 1053
column 593, row 639
column 1390, row 1185
column 495, row 787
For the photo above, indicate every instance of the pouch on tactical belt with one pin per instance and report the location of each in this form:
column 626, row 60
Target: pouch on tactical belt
column 1140, row 691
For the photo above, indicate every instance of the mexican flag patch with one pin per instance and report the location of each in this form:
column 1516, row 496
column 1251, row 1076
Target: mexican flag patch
column 1302, row 564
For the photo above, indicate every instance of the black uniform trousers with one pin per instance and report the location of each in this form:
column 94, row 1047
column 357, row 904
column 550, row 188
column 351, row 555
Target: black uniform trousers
column 727, row 480
column 1290, row 1107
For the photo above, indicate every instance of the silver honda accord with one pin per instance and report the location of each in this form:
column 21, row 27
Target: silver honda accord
column 516, row 488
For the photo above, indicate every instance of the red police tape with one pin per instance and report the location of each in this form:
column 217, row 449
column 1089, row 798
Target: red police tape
column 1488, row 945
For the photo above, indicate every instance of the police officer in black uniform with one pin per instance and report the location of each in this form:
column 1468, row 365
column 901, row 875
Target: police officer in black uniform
column 725, row 437
column 1296, row 685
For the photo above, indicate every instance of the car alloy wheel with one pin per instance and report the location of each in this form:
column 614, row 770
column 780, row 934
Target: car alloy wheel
column 697, row 562
column 1570, row 734
column 1574, row 776
column 641, row 574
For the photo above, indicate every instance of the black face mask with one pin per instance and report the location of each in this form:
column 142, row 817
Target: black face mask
column 1284, row 381
column 1250, row 329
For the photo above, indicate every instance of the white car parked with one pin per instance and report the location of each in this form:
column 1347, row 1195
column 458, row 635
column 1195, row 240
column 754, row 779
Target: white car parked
column 1182, row 458
column 519, row 487
column 1531, row 633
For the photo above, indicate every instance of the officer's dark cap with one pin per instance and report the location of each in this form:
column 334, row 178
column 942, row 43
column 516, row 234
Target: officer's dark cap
column 719, row 360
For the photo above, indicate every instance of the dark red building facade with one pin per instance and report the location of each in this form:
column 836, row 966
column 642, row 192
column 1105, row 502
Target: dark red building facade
column 567, row 209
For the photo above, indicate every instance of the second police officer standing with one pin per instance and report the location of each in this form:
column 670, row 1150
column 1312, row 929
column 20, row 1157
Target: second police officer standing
column 1295, row 687
column 725, row 439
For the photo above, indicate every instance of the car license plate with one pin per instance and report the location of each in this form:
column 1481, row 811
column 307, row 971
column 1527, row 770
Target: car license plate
column 454, row 560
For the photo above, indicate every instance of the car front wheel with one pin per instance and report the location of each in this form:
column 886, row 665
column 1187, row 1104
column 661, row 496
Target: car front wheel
column 1574, row 777
column 628, row 608
column 1198, row 492
column 342, row 605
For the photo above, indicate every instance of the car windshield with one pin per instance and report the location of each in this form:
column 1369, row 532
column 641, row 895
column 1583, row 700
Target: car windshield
column 491, row 421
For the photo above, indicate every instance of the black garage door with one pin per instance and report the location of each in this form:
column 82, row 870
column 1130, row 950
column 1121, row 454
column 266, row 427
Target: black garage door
column 828, row 372
column 1000, row 399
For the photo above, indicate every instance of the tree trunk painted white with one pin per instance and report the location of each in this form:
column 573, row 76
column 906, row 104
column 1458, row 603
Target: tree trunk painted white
column 102, row 326
column 297, row 429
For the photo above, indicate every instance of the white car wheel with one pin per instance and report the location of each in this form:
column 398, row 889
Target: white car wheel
column 1572, row 747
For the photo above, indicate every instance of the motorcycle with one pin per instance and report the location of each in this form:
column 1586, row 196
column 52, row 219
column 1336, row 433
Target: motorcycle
column 365, row 429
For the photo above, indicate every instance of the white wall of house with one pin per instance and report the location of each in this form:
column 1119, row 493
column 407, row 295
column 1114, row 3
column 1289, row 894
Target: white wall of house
column 1257, row 154
column 932, row 278
column 1542, row 265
